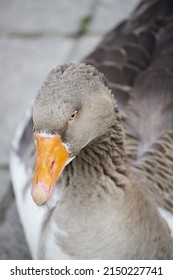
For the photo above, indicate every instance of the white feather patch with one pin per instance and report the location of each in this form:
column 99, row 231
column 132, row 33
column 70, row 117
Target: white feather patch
column 30, row 214
column 168, row 216
column 52, row 250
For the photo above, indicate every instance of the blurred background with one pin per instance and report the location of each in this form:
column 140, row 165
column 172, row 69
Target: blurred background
column 36, row 36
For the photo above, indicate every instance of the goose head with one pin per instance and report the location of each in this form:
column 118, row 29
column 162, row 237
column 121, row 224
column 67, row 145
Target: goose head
column 73, row 107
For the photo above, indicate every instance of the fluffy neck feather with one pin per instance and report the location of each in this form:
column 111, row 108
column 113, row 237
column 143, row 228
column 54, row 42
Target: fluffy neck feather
column 104, row 156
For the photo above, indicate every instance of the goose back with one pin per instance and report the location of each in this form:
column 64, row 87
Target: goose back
column 137, row 60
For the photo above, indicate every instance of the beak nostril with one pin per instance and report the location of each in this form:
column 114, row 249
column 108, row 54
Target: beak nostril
column 52, row 166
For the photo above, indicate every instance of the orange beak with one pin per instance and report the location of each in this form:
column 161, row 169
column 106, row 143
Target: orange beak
column 51, row 158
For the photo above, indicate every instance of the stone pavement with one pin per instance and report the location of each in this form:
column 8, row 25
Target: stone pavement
column 35, row 36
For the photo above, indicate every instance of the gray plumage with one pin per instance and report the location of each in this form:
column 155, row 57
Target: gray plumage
column 122, row 138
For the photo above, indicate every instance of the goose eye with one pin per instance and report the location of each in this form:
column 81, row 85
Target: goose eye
column 72, row 117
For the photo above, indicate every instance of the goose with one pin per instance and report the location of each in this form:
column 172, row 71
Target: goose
column 92, row 161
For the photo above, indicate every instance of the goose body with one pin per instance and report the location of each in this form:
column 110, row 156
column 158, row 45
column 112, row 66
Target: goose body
column 114, row 198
